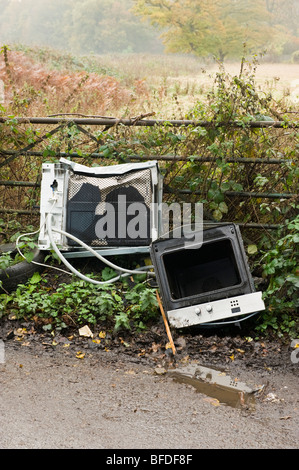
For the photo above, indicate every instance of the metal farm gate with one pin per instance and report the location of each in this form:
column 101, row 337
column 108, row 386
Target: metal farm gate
column 53, row 137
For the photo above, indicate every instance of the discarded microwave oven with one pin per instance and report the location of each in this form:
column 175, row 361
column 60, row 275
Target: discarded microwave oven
column 206, row 284
column 98, row 205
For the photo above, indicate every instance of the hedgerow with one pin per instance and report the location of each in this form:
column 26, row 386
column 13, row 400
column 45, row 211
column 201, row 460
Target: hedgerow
column 240, row 173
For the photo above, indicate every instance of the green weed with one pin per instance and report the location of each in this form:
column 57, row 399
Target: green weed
column 80, row 303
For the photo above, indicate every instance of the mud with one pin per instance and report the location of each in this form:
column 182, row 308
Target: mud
column 61, row 392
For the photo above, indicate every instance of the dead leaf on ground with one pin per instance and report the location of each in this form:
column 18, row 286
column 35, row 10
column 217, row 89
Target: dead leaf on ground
column 160, row 371
column 212, row 401
column 80, row 355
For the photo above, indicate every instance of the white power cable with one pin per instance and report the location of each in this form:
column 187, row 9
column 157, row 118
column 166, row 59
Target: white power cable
column 126, row 272
column 206, row 325
column 34, row 233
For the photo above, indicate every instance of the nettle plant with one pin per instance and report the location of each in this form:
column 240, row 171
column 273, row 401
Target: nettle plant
column 79, row 303
column 280, row 267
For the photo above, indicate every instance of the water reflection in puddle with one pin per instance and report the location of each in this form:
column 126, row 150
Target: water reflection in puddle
column 216, row 384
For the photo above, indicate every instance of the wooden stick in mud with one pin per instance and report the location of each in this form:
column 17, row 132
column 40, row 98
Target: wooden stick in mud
column 166, row 324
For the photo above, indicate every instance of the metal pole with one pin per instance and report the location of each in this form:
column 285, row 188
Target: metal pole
column 149, row 122
column 178, row 158
column 169, row 190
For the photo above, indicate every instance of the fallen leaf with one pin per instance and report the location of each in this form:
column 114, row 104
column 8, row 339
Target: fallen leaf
column 272, row 397
column 20, row 331
column 80, row 355
column 127, row 345
column 185, row 359
column 155, row 347
column 12, row 316
column 212, row 401
column 252, row 249
column 180, row 342
column 102, row 334
column 160, row 371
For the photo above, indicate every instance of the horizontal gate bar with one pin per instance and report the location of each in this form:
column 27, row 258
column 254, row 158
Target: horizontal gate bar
column 169, row 190
column 147, row 122
column 34, row 212
column 252, row 225
column 25, row 184
column 266, row 161
column 236, row 193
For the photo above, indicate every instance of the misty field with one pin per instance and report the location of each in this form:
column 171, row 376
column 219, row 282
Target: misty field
column 42, row 81
column 171, row 84
column 186, row 81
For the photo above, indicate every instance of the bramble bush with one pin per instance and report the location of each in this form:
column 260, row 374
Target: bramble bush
column 216, row 164
column 280, row 268
column 79, row 302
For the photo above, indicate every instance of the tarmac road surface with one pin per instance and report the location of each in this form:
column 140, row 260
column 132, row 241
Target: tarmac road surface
column 106, row 401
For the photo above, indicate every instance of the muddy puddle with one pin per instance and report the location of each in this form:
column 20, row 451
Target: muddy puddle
column 216, row 384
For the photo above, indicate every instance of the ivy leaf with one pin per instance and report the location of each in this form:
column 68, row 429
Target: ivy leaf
column 252, row 249
column 35, row 279
column 217, row 214
column 29, row 256
column 215, row 195
column 293, row 279
column 223, row 207
column 108, row 273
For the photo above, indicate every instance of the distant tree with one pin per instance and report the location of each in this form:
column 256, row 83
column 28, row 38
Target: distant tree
column 29, row 21
column 109, row 26
column 81, row 25
column 202, row 27
column 285, row 14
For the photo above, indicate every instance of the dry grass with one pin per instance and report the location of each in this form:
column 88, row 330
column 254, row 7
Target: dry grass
column 47, row 82
column 174, row 83
column 32, row 89
column 281, row 80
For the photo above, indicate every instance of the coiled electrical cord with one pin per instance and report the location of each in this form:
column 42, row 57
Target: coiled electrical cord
column 127, row 272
